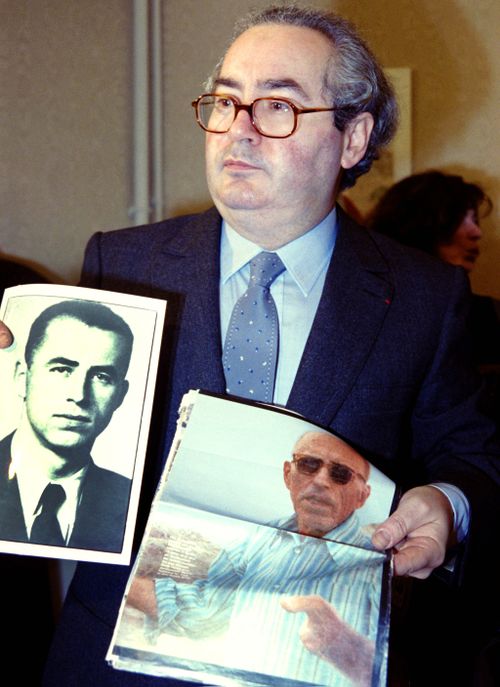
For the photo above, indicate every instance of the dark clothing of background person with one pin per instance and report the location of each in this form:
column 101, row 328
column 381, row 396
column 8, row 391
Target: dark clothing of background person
column 484, row 326
column 382, row 368
column 13, row 273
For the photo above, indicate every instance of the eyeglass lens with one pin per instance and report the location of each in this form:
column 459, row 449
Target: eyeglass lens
column 271, row 117
column 338, row 473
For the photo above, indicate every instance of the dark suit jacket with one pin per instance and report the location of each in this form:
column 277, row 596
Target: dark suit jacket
column 100, row 518
column 383, row 367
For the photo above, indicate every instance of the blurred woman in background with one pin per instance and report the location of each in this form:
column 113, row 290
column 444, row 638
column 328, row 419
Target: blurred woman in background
column 439, row 213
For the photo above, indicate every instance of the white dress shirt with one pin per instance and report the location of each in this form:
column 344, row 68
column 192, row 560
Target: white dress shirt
column 296, row 292
column 32, row 480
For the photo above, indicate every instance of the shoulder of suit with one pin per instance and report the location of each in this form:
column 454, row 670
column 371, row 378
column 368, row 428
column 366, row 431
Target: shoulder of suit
column 108, row 479
column 167, row 230
column 398, row 258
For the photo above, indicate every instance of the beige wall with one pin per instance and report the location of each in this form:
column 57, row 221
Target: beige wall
column 453, row 50
column 65, row 108
column 65, row 126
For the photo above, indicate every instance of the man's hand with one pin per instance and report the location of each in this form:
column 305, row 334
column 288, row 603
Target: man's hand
column 6, row 337
column 324, row 633
column 420, row 530
column 142, row 596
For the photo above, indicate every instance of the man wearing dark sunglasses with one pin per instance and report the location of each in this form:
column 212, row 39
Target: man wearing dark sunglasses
column 328, row 483
column 327, row 480
column 297, row 565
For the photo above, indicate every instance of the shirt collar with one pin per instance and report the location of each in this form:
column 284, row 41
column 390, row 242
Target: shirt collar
column 347, row 532
column 304, row 258
column 31, row 481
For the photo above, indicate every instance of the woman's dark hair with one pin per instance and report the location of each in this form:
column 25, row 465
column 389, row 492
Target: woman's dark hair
column 424, row 210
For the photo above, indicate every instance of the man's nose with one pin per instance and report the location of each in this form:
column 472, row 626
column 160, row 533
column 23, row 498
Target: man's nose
column 77, row 387
column 242, row 127
column 322, row 477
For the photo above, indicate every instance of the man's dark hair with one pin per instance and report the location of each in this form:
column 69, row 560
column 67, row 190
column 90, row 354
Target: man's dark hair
column 354, row 81
column 87, row 312
column 424, row 210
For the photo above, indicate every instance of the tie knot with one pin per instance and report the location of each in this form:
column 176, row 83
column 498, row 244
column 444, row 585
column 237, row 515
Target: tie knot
column 52, row 498
column 264, row 269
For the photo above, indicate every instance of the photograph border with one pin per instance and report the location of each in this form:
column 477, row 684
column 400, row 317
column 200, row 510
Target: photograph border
column 150, row 312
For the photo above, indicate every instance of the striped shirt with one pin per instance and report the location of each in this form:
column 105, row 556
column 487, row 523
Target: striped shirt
column 240, row 597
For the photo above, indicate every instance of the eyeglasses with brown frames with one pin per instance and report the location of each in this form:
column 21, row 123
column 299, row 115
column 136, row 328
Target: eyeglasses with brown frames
column 271, row 117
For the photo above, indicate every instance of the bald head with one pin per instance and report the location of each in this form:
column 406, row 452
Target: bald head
column 335, row 448
column 327, row 480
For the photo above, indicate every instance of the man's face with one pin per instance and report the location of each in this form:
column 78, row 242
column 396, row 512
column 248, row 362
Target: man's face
column 320, row 503
column 276, row 183
column 74, row 384
column 463, row 249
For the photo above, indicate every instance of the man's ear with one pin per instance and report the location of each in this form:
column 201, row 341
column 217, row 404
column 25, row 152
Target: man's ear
column 120, row 394
column 20, row 375
column 356, row 138
column 287, row 466
column 365, row 493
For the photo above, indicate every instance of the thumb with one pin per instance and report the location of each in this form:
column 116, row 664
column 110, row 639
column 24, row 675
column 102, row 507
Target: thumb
column 390, row 532
column 293, row 604
column 6, row 337
column 315, row 606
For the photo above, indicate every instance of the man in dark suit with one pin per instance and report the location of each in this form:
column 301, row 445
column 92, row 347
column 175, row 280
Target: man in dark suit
column 371, row 334
column 72, row 380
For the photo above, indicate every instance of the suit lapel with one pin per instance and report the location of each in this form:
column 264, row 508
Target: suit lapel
column 355, row 300
column 12, row 525
column 186, row 269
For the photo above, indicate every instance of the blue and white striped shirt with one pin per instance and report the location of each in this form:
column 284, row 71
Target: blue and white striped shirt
column 240, row 598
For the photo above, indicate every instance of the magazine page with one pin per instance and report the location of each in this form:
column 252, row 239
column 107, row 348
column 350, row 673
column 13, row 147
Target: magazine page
column 77, row 391
column 256, row 566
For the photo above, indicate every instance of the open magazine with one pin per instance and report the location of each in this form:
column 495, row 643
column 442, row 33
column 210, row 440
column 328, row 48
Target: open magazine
column 75, row 406
column 256, row 566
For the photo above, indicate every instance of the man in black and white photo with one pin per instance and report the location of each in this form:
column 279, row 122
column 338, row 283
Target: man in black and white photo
column 71, row 381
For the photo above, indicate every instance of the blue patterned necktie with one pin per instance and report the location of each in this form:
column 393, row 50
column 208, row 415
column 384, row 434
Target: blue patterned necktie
column 251, row 348
column 46, row 528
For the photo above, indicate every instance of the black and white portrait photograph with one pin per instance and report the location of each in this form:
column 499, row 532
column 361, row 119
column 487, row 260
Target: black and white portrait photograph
column 76, row 399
